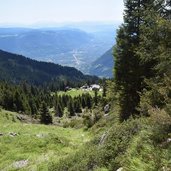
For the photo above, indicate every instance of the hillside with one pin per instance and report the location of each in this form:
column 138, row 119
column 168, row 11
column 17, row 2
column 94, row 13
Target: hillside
column 25, row 146
column 16, row 68
column 103, row 66
column 58, row 119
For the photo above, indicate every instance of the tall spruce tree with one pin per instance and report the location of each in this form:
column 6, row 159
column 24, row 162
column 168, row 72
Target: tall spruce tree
column 128, row 71
column 154, row 51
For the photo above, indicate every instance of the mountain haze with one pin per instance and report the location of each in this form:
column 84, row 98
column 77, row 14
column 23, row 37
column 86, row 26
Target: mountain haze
column 65, row 45
column 103, row 66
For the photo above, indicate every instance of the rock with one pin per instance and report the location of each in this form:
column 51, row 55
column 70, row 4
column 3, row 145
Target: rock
column 164, row 168
column 13, row 134
column 20, row 164
column 106, row 109
column 19, row 117
column 102, row 139
column 120, row 169
column 106, row 115
column 39, row 135
column 168, row 140
column 22, row 117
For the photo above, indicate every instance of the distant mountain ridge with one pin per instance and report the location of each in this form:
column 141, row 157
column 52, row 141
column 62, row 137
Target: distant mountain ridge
column 103, row 66
column 16, row 68
column 66, row 46
column 39, row 44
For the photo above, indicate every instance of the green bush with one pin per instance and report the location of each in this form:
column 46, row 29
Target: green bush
column 117, row 142
column 83, row 160
column 75, row 122
column 136, row 144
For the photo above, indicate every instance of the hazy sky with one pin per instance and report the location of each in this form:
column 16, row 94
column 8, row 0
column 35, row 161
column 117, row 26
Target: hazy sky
column 33, row 11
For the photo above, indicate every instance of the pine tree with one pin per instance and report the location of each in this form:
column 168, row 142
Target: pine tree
column 33, row 106
column 45, row 116
column 58, row 110
column 58, row 106
column 70, row 107
column 104, row 88
column 19, row 102
column 95, row 97
column 77, row 105
column 7, row 99
column 88, row 100
column 83, row 101
column 154, row 51
column 129, row 74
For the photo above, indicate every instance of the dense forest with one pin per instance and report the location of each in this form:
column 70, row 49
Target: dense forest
column 31, row 100
column 129, row 122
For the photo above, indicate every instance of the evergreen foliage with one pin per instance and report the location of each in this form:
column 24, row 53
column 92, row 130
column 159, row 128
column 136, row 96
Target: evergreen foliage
column 45, row 116
column 95, row 97
column 25, row 99
column 16, row 68
column 70, row 107
column 142, row 50
column 58, row 107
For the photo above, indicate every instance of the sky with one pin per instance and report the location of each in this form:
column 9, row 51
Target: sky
column 36, row 11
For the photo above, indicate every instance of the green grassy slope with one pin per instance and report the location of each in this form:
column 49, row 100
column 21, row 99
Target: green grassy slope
column 75, row 92
column 35, row 146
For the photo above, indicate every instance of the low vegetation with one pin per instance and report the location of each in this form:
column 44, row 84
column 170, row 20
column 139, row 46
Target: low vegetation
column 26, row 146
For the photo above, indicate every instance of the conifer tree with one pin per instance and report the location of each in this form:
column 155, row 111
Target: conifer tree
column 88, row 100
column 95, row 97
column 104, row 88
column 154, row 51
column 19, row 101
column 45, row 116
column 58, row 110
column 33, row 106
column 128, row 73
column 77, row 105
column 83, row 101
column 58, row 106
column 70, row 107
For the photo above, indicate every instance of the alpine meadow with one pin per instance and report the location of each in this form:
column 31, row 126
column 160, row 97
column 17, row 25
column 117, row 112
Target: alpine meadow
column 85, row 86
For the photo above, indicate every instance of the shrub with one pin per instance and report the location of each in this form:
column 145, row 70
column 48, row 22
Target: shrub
column 117, row 142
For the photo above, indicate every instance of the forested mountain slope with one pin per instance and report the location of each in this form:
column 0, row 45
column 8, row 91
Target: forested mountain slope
column 16, row 68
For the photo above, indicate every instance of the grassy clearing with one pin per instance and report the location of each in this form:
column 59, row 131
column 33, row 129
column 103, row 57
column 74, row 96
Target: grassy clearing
column 77, row 92
column 38, row 145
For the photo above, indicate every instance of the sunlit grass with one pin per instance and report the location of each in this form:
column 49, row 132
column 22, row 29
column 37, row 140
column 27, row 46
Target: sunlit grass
column 77, row 92
column 38, row 144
